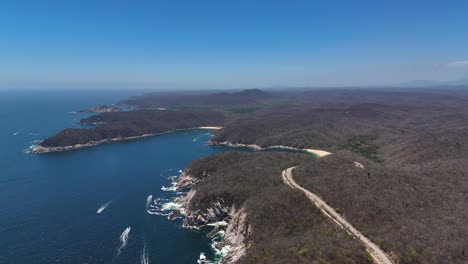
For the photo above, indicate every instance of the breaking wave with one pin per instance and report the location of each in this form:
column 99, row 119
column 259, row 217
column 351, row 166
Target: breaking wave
column 103, row 207
column 148, row 201
column 173, row 180
column 202, row 258
column 155, row 207
column 173, row 187
column 220, row 251
column 124, row 239
column 169, row 189
column 164, row 207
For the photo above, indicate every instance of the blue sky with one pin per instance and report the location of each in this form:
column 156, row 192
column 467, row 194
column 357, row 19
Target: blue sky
column 230, row 44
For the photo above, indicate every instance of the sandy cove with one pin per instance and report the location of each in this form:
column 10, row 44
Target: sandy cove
column 316, row 152
column 210, row 127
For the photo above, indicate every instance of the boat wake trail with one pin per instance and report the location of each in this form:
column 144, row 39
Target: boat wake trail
column 123, row 239
column 202, row 135
column 103, row 207
column 144, row 259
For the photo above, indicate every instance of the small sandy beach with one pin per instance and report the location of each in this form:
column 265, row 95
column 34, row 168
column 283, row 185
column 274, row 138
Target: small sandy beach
column 319, row 153
column 211, row 127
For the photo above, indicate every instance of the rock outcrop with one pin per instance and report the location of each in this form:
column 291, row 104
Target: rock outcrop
column 230, row 226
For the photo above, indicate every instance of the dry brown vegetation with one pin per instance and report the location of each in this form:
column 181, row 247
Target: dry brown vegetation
column 286, row 227
column 411, row 198
column 117, row 125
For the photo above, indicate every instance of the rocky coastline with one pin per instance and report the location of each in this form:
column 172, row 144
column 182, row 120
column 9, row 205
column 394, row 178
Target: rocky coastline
column 39, row 149
column 101, row 109
column 229, row 224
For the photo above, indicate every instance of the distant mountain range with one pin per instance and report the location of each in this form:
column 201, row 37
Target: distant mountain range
column 428, row 83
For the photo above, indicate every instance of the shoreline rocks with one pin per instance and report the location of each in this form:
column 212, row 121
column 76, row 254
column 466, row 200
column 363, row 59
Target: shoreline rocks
column 101, row 109
column 39, row 149
column 230, row 227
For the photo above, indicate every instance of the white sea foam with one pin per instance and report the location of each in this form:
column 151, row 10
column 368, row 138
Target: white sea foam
column 154, row 212
column 149, row 200
column 173, row 178
column 202, row 258
column 220, row 253
column 154, row 208
column 173, row 187
column 144, row 259
column 164, row 207
column 169, row 189
column 221, row 233
column 124, row 239
column 103, row 207
column 217, row 224
column 171, row 206
column 16, row 133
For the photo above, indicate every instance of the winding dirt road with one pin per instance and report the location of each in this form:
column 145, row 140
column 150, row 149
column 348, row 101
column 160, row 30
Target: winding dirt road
column 376, row 253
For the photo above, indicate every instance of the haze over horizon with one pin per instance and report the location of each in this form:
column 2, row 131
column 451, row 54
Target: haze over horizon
column 213, row 44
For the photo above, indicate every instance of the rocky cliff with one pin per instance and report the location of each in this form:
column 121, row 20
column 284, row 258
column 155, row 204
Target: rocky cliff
column 254, row 217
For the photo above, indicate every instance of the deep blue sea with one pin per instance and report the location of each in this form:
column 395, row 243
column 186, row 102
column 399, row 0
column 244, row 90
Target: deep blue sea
column 49, row 202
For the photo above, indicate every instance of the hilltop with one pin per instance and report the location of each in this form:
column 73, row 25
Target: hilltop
column 204, row 100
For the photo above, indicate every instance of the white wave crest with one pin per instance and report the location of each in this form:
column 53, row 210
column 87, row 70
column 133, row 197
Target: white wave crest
column 103, row 207
column 164, row 207
column 168, row 189
column 220, row 253
column 173, row 186
column 171, row 206
column 124, row 239
column 148, row 201
column 202, row 258
column 155, row 212
column 218, row 224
